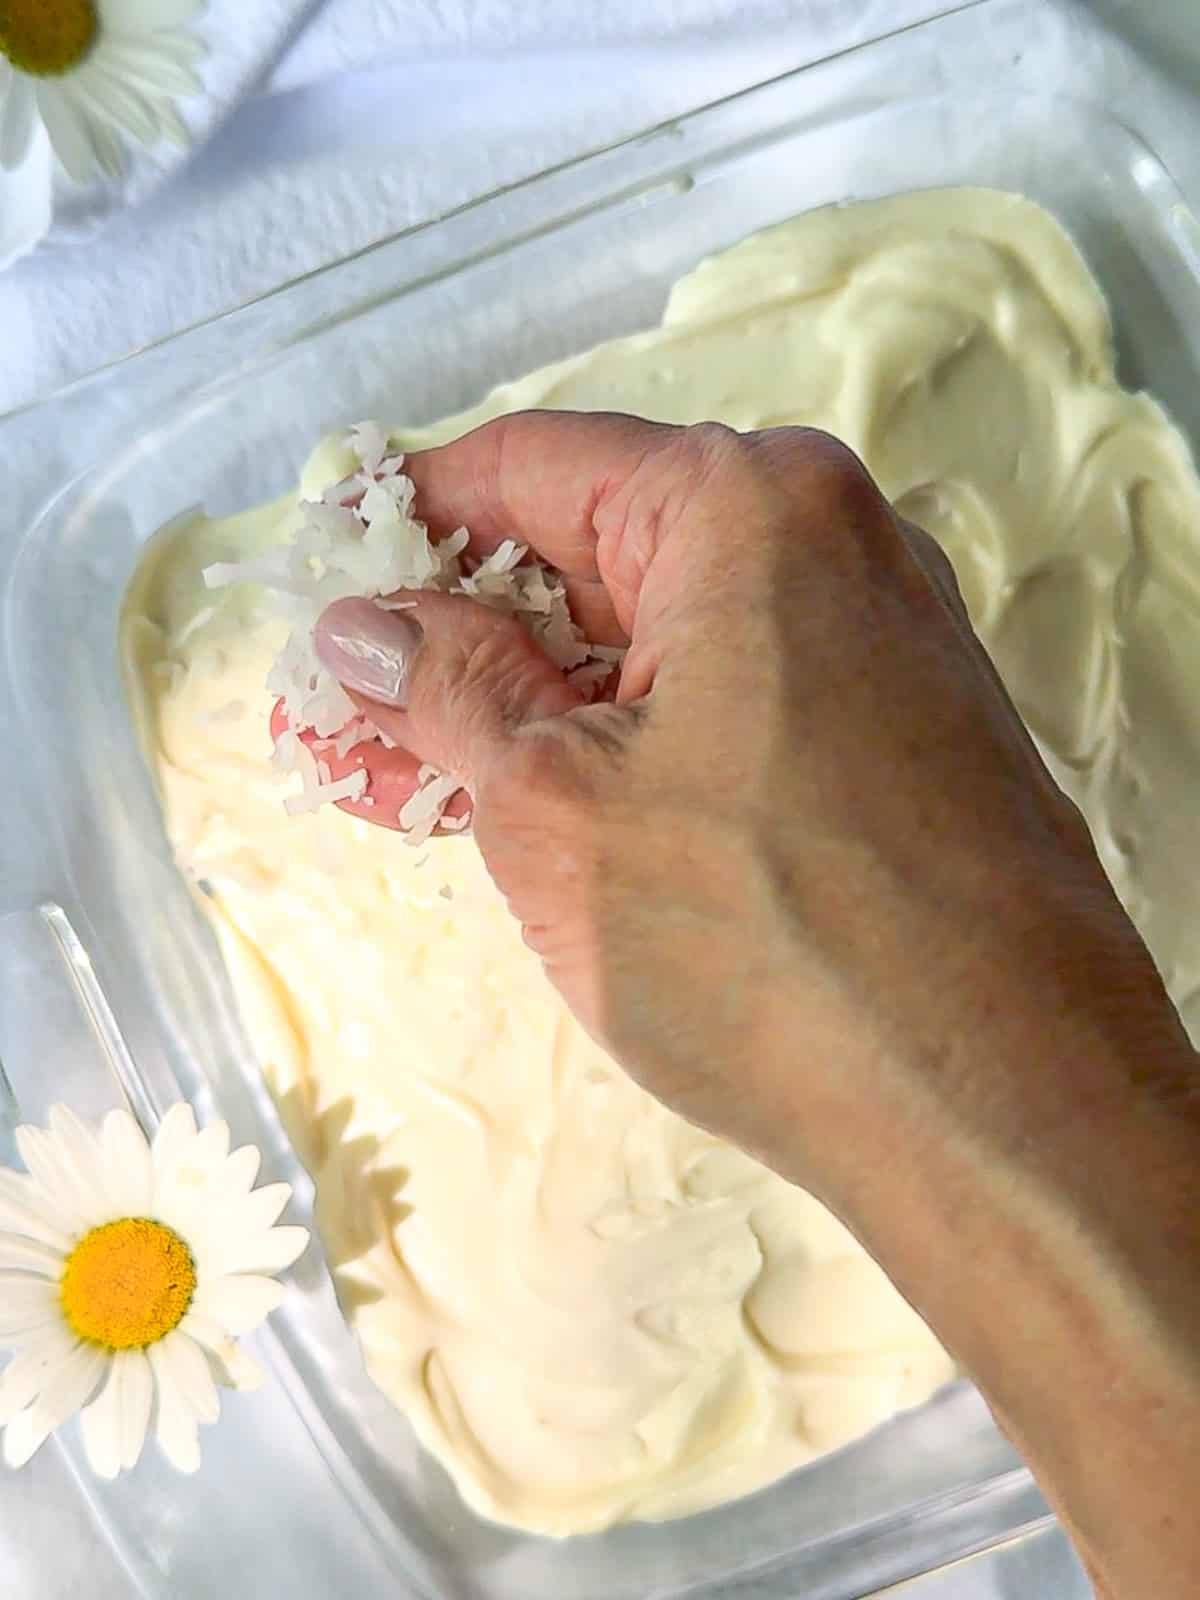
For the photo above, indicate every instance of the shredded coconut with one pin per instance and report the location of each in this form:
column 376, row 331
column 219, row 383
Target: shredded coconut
column 351, row 787
column 362, row 539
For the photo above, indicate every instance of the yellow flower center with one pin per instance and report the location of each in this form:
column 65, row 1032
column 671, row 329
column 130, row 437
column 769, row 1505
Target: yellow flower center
column 47, row 37
column 128, row 1284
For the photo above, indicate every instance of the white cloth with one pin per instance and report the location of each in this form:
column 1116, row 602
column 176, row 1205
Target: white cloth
column 434, row 114
column 351, row 33
column 244, row 44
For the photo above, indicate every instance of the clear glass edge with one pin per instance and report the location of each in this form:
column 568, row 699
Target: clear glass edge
column 588, row 160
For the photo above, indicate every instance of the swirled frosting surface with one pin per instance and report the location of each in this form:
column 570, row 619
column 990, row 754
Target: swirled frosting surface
column 590, row 1310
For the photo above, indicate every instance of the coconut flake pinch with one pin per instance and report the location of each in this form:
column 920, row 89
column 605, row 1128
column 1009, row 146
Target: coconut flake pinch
column 351, row 735
column 369, row 441
column 361, row 538
column 351, row 787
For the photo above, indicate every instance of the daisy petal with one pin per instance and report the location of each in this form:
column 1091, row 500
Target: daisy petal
column 19, row 1391
column 33, row 1331
column 260, row 1209
column 173, row 127
column 27, row 1303
column 186, row 1195
column 17, row 107
column 51, row 1169
column 131, row 14
column 21, row 1383
column 177, row 1129
column 177, row 1431
column 268, row 1251
column 68, row 1386
column 241, row 1169
column 23, row 1438
column 76, row 1137
column 184, row 1370
column 25, row 1375
column 26, row 1210
column 211, row 1147
column 27, row 1255
column 70, row 130
column 181, row 47
column 149, row 70
column 80, row 1154
column 118, row 102
column 128, row 1174
column 237, row 1370
column 206, row 1333
column 101, row 1425
column 110, row 152
column 137, row 1396
column 179, row 1439
column 238, row 1303
column 196, row 1166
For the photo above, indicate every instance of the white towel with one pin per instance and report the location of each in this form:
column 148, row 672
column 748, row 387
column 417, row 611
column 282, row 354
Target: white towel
column 244, row 43
column 361, row 33
column 298, row 178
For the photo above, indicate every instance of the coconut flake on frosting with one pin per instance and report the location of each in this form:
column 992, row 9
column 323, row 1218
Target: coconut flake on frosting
column 361, row 539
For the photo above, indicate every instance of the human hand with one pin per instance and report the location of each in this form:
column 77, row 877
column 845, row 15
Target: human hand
column 809, row 852
column 809, row 882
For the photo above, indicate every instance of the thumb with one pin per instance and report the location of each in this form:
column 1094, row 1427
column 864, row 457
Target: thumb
column 448, row 679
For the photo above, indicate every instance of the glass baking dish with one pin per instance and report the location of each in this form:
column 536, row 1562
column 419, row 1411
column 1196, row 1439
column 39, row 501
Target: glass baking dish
column 110, row 983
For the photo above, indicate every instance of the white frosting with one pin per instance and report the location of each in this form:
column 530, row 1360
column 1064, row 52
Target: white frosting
column 590, row 1310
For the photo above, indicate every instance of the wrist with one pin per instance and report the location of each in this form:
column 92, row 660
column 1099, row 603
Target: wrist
column 1045, row 1226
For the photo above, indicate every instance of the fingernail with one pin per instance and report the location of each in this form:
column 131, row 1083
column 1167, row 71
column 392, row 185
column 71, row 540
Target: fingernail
column 368, row 650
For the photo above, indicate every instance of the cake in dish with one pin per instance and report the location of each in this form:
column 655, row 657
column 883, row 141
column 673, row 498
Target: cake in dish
column 590, row 1310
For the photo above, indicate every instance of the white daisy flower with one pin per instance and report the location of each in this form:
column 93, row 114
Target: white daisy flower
column 126, row 1270
column 93, row 71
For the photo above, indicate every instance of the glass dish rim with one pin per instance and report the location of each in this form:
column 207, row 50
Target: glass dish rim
column 593, row 154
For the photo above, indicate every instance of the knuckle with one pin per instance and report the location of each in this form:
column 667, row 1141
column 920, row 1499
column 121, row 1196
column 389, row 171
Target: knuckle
column 711, row 443
column 846, row 482
column 935, row 562
column 828, row 468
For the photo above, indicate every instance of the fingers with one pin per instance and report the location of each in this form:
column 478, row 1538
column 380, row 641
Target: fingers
column 540, row 477
column 449, row 680
column 535, row 477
